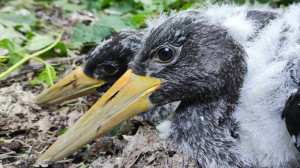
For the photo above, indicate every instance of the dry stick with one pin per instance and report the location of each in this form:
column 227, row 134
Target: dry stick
column 8, row 155
column 182, row 159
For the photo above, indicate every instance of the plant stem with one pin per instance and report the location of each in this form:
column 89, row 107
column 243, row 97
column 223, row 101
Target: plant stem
column 47, row 67
column 26, row 58
column 4, row 57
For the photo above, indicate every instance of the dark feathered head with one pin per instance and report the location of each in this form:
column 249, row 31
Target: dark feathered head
column 194, row 59
column 102, row 66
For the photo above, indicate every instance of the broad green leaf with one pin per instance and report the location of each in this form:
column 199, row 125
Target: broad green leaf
column 98, row 4
column 151, row 5
column 187, row 6
column 7, row 44
column 44, row 76
column 59, row 50
column 113, row 21
column 19, row 19
column 69, row 7
column 123, row 7
column 83, row 33
column 19, row 2
column 71, row 53
column 9, row 33
column 136, row 20
column 14, row 57
column 39, row 42
column 8, row 23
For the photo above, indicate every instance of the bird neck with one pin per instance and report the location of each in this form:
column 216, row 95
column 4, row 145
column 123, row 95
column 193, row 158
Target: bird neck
column 203, row 131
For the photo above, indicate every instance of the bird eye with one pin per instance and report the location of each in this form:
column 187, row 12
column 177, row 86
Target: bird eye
column 108, row 69
column 164, row 55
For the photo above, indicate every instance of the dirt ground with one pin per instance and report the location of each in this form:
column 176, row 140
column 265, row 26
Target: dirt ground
column 27, row 130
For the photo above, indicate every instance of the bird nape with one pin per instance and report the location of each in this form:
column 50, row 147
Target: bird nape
column 204, row 58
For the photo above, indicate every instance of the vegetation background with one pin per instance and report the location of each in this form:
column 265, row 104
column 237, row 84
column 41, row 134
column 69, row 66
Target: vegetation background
column 46, row 29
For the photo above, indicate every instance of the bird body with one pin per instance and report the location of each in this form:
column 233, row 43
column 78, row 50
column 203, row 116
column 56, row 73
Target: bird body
column 272, row 61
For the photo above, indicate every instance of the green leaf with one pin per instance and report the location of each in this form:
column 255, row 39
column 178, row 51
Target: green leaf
column 9, row 33
column 20, row 19
column 123, row 7
column 240, row 2
column 83, row 166
column 136, row 21
column 114, row 131
column 47, row 135
column 62, row 131
column 7, row 44
column 187, row 6
column 59, row 50
column 69, row 7
column 113, row 21
column 71, row 53
column 48, row 77
column 14, row 57
column 35, row 82
column 83, row 33
column 39, row 42
column 98, row 4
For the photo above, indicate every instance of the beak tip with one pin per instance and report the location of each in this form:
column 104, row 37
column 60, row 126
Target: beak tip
column 74, row 85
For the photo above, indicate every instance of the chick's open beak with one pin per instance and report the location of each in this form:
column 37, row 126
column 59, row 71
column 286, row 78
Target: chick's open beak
column 75, row 84
column 128, row 97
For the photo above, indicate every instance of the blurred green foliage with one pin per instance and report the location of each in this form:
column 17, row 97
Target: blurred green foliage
column 23, row 32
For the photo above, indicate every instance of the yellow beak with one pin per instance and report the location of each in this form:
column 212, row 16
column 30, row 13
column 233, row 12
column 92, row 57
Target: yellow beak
column 128, row 97
column 75, row 84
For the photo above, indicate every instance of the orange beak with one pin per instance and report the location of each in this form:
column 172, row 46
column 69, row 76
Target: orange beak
column 75, row 84
column 128, row 97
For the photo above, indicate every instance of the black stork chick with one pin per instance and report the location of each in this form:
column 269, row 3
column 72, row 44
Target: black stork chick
column 102, row 67
column 204, row 59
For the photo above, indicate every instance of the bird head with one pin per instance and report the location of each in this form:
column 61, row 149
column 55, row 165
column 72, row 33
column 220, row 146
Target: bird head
column 193, row 58
column 102, row 66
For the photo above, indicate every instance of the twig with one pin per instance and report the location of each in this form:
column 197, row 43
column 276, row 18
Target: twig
column 7, row 155
column 182, row 159
column 38, row 139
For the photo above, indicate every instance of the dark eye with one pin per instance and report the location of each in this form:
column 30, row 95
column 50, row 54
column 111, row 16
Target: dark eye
column 164, row 55
column 108, row 69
